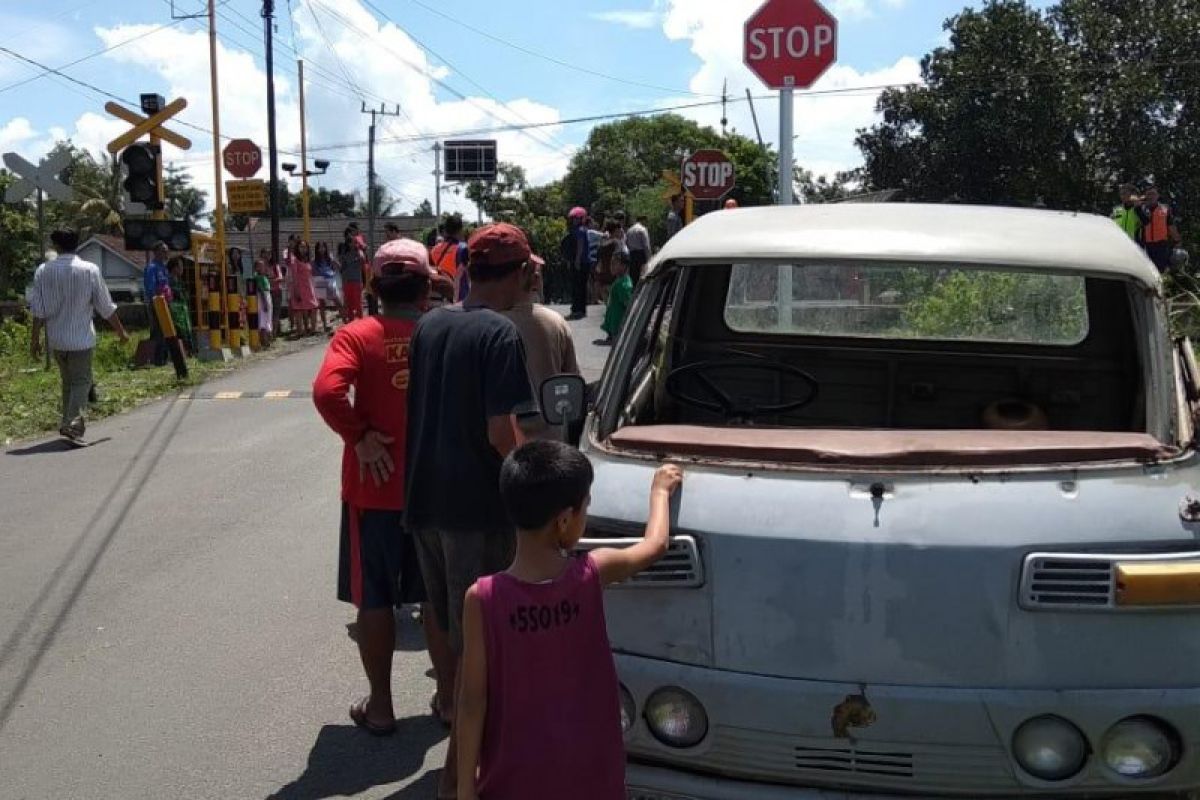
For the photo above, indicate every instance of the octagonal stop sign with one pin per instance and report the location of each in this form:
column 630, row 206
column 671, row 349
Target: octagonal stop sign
column 243, row 158
column 707, row 175
column 790, row 43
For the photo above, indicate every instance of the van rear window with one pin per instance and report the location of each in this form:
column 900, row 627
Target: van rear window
column 907, row 302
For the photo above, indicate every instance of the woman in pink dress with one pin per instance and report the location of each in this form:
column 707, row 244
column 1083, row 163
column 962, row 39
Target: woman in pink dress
column 304, row 293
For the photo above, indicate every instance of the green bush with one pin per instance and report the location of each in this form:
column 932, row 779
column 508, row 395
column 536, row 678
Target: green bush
column 14, row 339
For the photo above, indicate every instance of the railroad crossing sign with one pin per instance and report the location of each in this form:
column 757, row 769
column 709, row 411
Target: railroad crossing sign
column 790, row 43
column 43, row 177
column 708, row 174
column 243, row 158
column 152, row 125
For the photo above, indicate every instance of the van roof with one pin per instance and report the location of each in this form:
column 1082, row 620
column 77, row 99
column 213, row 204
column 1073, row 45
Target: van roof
column 1056, row 241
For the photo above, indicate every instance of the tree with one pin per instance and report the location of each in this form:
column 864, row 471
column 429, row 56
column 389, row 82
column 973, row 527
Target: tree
column 184, row 201
column 1059, row 107
column 502, row 196
column 996, row 120
column 385, row 204
column 621, row 158
column 19, row 247
column 425, row 209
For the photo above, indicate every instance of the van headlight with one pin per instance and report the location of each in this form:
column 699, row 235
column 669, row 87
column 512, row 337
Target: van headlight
column 1140, row 748
column 1049, row 748
column 676, row 718
column 628, row 710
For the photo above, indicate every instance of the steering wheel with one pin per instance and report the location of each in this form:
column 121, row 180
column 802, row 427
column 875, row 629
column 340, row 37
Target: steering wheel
column 719, row 401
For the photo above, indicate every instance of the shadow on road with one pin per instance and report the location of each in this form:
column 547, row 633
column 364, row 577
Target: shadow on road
column 136, row 476
column 345, row 761
column 41, row 448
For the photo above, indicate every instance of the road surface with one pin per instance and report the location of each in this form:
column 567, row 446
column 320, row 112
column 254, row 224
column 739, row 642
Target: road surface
column 168, row 626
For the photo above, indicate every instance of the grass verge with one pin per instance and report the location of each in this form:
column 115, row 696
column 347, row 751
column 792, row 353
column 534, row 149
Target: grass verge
column 30, row 394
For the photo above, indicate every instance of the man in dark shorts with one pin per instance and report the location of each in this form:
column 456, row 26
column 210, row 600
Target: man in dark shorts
column 468, row 380
column 378, row 569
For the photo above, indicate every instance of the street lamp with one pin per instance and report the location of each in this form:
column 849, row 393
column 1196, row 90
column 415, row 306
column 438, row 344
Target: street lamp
column 322, row 166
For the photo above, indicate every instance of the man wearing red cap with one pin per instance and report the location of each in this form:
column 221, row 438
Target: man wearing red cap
column 468, row 381
column 378, row 569
column 579, row 259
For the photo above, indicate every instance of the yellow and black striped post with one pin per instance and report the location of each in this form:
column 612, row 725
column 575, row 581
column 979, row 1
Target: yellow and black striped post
column 166, row 324
column 252, row 320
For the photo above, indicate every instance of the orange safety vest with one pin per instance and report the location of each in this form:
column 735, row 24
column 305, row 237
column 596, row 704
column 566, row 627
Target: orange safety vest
column 1157, row 229
column 444, row 256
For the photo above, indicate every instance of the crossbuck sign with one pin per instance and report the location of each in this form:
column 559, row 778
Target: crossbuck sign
column 43, row 177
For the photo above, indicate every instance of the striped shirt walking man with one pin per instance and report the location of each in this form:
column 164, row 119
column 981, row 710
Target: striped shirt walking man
column 66, row 293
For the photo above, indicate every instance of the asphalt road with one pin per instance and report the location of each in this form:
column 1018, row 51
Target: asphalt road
column 168, row 622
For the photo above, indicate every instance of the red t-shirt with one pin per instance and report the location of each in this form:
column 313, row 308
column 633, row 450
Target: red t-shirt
column 370, row 355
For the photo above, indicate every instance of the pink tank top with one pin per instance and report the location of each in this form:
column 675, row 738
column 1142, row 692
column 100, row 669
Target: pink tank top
column 553, row 727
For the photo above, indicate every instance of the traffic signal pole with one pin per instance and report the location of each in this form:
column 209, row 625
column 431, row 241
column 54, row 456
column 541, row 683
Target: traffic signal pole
column 218, row 175
column 304, row 159
column 268, row 11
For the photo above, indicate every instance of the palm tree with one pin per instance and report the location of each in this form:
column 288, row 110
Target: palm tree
column 99, row 196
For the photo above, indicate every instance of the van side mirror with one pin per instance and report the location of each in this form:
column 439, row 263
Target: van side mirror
column 564, row 399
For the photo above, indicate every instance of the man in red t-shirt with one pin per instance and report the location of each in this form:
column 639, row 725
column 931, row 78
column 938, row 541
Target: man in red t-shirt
column 378, row 569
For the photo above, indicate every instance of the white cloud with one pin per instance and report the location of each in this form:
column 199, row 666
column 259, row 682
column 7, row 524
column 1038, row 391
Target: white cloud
column 825, row 124
column 15, row 134
column 628, row 18
column 382, row 61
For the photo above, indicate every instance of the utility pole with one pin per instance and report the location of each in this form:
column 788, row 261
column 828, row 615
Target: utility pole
column 372, row 211
column 724, row 103
column 437, row 179
column 304, row 159
column 268, row 11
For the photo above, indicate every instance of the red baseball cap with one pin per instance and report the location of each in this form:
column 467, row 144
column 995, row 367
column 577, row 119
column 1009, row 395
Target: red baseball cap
column 577, row 212
column 402, row 255
column 497, row 244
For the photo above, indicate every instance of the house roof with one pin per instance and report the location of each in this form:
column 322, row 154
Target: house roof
column 1026, row 239
column 116, row 246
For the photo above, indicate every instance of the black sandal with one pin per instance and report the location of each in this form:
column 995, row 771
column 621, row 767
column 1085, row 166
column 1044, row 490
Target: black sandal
column 358, row 715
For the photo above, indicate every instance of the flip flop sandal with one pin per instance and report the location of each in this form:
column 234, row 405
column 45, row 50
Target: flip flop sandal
column 358, row 715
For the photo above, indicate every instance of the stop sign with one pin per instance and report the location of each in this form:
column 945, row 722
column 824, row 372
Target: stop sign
column 707, row 175
column 790, row 43
column 243, row 158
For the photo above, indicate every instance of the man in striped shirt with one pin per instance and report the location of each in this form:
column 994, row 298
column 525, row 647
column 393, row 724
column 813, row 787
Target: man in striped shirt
column 66, row 293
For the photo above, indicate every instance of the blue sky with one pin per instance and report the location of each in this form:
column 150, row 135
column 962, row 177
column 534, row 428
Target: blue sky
column 423, row 55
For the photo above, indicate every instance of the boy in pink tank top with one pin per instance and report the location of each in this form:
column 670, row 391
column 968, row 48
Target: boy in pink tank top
column 539, row 709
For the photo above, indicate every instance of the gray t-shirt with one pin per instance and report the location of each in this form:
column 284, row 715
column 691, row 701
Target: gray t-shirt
column 674, row 223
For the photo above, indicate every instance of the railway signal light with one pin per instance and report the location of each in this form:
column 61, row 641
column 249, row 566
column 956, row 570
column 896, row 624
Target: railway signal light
column 143, row 173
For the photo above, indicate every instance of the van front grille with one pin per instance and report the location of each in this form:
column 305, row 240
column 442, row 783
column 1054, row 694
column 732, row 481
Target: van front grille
column 1067, row 582
column 679, row 568
column 849, row 759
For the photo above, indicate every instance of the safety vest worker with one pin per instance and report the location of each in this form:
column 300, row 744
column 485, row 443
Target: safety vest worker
column 1160, row 233
column 1126, row 214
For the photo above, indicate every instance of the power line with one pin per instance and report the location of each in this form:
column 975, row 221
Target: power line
column 545, row 57
column 370, row 4
column 111, row 96
column 425, row 72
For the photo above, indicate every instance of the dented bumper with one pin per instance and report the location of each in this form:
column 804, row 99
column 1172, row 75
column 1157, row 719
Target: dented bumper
column 786, row 738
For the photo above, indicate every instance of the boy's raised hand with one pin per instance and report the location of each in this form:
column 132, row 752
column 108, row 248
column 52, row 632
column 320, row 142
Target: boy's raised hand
column 618, row 564
column 667, row 479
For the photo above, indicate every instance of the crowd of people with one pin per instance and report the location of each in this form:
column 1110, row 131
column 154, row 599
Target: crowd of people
column 456, row 496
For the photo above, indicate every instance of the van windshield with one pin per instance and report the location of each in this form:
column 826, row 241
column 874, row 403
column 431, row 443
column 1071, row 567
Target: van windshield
column 907, row 302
